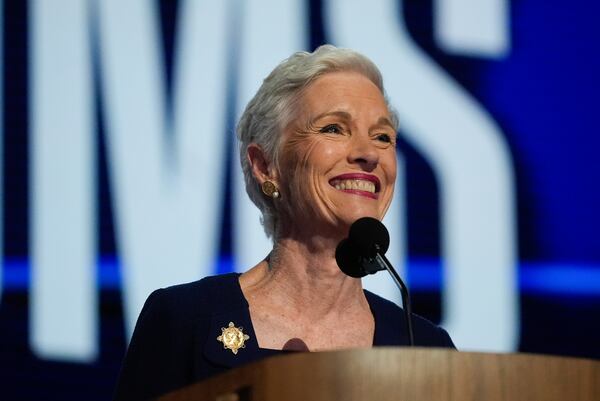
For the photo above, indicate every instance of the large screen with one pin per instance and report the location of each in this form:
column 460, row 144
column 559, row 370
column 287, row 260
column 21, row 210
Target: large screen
column 121, row 171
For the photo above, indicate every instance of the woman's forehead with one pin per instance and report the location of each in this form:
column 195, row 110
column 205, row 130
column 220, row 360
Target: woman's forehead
column 342, row 94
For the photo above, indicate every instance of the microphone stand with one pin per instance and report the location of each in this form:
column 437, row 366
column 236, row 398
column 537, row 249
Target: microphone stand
column 386, row 265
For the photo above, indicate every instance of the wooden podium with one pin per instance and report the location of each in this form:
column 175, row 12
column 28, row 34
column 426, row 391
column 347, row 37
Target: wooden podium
column 382, row 374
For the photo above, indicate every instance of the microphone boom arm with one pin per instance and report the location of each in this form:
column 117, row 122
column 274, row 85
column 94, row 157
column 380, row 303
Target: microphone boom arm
column 385, row 264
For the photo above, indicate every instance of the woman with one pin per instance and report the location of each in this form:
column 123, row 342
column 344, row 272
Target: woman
column 317, row 147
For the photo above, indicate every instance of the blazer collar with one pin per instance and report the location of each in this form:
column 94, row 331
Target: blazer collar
column 230, row 306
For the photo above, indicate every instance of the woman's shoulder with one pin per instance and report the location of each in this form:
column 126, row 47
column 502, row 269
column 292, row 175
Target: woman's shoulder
column 210, row 285
column 200, row 296
column 173, row 320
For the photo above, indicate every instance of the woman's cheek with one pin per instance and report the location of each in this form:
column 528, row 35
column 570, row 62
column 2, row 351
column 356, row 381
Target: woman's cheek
column 306, row 160
column 391, row 173
column 296, row 178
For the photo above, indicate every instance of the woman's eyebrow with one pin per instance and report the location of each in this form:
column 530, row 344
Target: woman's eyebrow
column 339, row 113
column 385, row 121
column 344, row 115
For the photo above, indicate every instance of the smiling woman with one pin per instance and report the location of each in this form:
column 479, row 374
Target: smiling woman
column 317, row 146
column 339, row 159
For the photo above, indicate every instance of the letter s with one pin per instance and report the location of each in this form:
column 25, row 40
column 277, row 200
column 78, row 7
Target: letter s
column 471, row 160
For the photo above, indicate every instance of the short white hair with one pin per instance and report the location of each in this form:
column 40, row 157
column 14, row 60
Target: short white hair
column 271, row 110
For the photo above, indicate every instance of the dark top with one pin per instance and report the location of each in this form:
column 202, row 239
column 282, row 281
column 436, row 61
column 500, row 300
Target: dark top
column 174, row 343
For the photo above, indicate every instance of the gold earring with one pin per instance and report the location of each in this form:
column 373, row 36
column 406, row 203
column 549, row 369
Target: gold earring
column 270, row 189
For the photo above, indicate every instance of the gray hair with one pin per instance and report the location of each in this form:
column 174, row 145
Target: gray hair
column 272, row 109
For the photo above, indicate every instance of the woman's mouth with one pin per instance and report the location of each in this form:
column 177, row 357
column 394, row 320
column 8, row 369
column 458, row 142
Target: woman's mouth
column 359, row 184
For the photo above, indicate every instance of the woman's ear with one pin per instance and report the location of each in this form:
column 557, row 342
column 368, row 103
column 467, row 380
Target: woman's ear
column 262, row 168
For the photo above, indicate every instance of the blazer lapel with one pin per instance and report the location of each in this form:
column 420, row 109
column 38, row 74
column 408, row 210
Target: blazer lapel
column 389, row 325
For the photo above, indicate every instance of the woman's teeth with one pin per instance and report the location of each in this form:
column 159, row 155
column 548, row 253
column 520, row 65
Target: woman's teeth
column 360, row 185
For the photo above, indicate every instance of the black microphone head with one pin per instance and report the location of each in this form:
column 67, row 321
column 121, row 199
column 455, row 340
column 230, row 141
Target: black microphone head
column 355, row 255
column 368, row 234
column 349, row 260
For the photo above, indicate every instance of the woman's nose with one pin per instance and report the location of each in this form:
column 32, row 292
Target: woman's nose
column 363, row 152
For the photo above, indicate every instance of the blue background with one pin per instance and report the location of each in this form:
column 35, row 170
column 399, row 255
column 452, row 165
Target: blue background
column 544, row 95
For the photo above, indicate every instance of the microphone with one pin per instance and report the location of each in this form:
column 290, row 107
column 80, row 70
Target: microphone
column 363, row 252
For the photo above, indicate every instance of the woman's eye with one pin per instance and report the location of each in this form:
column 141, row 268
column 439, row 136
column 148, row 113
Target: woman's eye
column 387, row 138
column 331, row 129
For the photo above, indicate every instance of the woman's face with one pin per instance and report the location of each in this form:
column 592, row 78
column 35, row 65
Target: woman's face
column 338, row 161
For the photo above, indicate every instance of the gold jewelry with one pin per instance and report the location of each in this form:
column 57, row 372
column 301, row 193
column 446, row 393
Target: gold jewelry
column 270, row 189
column 233, row 338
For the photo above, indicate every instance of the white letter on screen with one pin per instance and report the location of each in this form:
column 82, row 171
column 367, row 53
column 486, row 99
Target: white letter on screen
column 472, row 27
column 270, row 32
column 63, row 294
column 467, row 152
column 167, row 179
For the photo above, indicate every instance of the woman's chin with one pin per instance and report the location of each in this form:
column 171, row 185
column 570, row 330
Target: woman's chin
column 329, row 223
column 358, row 208
column 348, row 219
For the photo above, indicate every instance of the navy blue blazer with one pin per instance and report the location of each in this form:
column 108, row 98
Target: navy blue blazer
column 174, row 343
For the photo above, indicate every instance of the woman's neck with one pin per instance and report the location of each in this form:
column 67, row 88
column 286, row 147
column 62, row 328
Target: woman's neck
column 303, row 276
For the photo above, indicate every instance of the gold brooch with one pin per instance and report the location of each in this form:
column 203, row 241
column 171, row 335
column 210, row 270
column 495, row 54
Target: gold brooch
column 233, row 338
